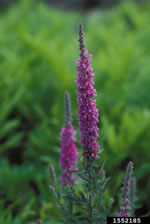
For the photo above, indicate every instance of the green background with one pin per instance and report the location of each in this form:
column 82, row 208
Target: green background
column 38, row 53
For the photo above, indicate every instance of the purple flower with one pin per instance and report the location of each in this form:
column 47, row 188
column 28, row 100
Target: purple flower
column 69, row 154
column 125, row 206
column 123, row 214
column 87, row 111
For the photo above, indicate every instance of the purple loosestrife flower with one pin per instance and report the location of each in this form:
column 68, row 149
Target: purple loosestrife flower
column 87, row 111
column 125, row 207
column 68, row 158
column 69, row 154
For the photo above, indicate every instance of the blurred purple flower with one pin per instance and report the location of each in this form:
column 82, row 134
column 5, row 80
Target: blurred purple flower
column 87, row 111
column 69, row 154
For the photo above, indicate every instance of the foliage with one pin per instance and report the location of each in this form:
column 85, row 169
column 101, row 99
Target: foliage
column 74, row 201
column 37, row 64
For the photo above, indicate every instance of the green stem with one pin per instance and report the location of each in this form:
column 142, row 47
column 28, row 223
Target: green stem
column 89, row 194
column 65, row 211
column 70, row 206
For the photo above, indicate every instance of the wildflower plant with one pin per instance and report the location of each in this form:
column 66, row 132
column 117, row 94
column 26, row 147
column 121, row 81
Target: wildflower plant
column 82, row 195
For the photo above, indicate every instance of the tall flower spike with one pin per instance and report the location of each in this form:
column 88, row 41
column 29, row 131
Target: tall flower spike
column 87, row 111
column 69, row 154
column 125, row 207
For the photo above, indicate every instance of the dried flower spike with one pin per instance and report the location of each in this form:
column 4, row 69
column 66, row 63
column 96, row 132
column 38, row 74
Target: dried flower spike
column 69, row 154
column 125, row 206
column 87, row 111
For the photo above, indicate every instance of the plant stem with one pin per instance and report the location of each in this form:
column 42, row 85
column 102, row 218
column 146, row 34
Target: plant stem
column 89, row 194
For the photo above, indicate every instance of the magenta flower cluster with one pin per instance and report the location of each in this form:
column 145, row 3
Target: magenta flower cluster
column 87, row 111
column 69, row 154
column 68, row 159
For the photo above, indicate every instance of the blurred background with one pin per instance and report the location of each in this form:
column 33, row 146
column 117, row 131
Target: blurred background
column 38, row 53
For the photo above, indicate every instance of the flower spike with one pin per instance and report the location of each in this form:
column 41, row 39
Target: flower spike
column 125, row 207
column 69, row 154
column 87, row 111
